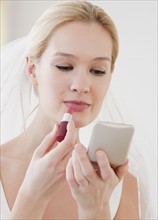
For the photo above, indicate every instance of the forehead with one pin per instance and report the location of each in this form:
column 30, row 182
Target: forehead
column 81, row 39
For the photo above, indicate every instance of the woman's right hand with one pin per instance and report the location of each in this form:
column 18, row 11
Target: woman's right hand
column 46, row 171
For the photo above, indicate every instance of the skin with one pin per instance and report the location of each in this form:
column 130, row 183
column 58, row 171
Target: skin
column 80, row 83
column 84, row 74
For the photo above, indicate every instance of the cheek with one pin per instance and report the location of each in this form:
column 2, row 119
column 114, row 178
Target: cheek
column 101, row 92
column 46, row 87
column 98, row 102
column 48, row 83
column 99, row 96
column 50, row 91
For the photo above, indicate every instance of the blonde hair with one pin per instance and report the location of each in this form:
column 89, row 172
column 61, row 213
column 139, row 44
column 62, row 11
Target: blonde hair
column 64, row 12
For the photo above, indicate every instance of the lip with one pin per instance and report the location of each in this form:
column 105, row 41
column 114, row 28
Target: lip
column 77, row 105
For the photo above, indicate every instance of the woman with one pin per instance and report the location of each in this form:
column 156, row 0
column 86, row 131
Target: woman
column 70, row 59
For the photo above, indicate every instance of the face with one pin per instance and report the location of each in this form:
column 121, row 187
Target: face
column 74, row 71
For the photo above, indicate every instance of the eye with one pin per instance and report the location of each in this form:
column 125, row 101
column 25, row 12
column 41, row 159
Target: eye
column 98, row 72
column 64, row 68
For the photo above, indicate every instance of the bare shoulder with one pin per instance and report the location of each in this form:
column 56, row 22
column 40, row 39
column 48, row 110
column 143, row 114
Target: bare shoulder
column 8, row 153
column 7, row 150
column 129, row 205
column 8, row 147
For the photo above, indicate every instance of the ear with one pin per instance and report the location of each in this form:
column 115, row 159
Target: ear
column 31, row 70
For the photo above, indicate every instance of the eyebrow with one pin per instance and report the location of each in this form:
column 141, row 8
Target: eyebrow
column 74, row 57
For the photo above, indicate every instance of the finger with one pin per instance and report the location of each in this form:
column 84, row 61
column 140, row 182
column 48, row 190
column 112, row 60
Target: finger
column 84, row 162
column 71, row 133
column 58, row 153
column 70, row 175
column 122, row 170
column 66, row 159
column 61, row 165
column 104, row 166
column 47, row 142
column 79, row 176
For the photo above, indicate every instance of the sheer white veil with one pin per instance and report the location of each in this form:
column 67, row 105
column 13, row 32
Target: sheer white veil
column 17, row 95
column 18, row 101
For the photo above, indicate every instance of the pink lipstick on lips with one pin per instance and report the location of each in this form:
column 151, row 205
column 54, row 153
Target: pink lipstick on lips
column 78, row 106
column 63, row 124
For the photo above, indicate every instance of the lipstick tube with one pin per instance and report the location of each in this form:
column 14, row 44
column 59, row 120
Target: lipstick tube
column 63, row 125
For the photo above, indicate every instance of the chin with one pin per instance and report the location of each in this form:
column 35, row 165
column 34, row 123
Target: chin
column 81, row 123
column 84, row 120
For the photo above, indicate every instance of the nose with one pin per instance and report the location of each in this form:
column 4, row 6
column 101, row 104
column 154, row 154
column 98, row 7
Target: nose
column 80, row 83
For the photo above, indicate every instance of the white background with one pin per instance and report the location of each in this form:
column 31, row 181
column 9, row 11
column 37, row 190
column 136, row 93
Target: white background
column 136, row 68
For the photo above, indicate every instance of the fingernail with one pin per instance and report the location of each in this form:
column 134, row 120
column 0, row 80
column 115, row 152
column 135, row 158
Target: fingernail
column 70, row 124
column 55, row 126
column 100, row 155
column 79, row 147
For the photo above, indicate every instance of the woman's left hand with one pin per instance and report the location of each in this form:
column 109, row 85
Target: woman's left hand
column 92, row 189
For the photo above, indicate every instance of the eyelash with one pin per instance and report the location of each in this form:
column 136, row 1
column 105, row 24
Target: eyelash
column 98, row 72
column 69, row 68
column 64, row 68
